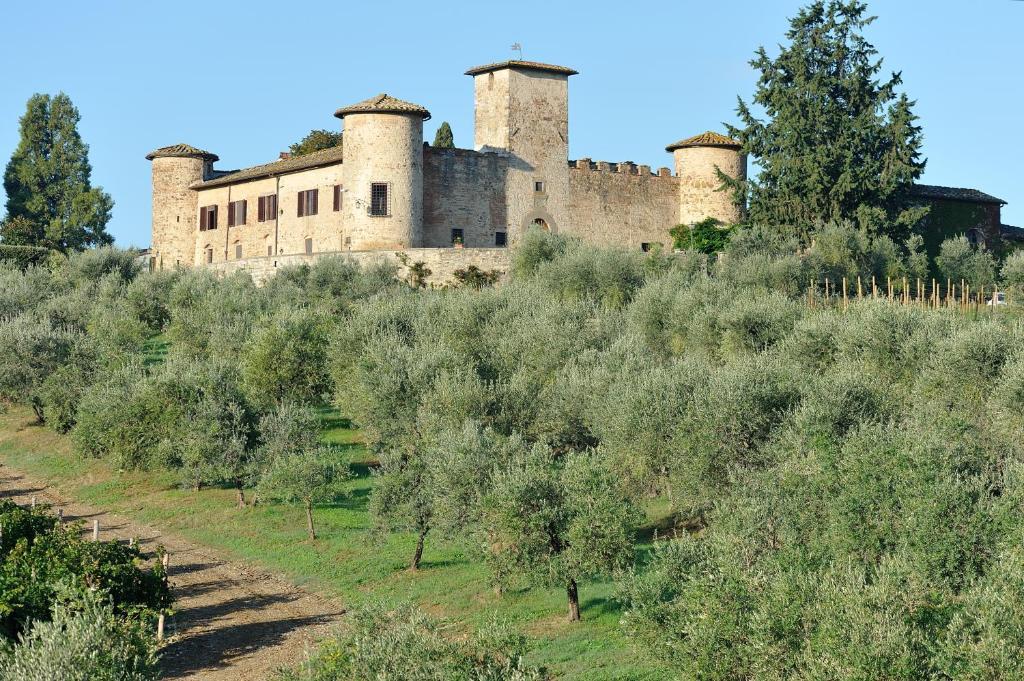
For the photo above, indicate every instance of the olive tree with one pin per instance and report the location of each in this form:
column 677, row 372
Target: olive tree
column 305, row 477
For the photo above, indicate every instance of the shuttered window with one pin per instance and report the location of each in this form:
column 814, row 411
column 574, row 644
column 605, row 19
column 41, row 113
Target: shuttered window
column 307, row 202
column 266, row 208
column 207, row 218
column 238, row 251
column 309, row 247
column 379, row 199
column 337, row 197
column 236, row 213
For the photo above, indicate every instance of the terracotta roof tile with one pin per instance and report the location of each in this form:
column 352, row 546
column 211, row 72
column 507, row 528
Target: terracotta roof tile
column 705, row 139
column 383, row 103
column 930, row 191
column 520, row 64
column 316, row 159
column 181, row 151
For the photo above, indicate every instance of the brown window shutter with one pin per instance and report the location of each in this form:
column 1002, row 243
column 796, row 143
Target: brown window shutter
column 245, row 205
column 272, row 204
column 202, row 219
column 337, row 197
column 213, row 217
column 316, row 198
column 302, row 210
column 261, row 209
column 231, row 214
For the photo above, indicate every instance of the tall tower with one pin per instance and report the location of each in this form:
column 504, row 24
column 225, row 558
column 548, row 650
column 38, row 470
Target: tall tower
column 696, row 160
column 382, row 173
column 175, row 205
column 522, row 110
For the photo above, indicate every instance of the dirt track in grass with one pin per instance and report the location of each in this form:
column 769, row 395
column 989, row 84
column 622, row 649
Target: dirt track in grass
column 231, row 621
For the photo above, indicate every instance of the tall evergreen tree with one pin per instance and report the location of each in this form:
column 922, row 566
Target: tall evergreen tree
column 50, row 201
column 837, row 142
column 443, row 138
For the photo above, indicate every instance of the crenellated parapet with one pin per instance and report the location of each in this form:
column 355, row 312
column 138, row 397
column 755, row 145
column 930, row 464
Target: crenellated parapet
column 621, row 168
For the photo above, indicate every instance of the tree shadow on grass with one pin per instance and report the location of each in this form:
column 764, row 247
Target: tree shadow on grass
column 600, row 606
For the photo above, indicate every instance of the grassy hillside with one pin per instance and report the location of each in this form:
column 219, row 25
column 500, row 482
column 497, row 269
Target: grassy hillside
column 347, row 561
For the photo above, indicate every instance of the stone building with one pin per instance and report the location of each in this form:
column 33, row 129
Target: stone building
column 383, row 189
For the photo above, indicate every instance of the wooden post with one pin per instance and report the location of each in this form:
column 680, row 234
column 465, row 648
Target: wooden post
column 888, row 286
column 874, row 287
column 33, row 502
column 60, row 516
column 95, row 530
column 160, row 627
column 906, row 292
column 131, row 542
column 860, row 290
column 845, row 301
column 826, row 291
column 166, row 561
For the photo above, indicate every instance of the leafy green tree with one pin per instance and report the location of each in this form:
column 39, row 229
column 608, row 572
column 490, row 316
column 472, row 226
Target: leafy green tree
column 286, row 360
column 836, row 141
column 707, row 236
column 959, row 260
column 316, row 140
column 443, row 138
column 30, row 351
column 308, row 477
column 557, row 522
column 50, row 200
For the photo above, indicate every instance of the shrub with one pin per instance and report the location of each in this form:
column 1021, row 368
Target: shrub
column 23, row 257
column 708, row 236
column 403, row 643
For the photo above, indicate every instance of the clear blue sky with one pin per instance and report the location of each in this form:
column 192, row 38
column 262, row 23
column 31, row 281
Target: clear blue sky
column 246, row 79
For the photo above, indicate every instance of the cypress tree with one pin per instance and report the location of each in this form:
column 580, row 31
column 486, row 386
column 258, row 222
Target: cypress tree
column 443, row 139
column 50, row 201
column 836, row 141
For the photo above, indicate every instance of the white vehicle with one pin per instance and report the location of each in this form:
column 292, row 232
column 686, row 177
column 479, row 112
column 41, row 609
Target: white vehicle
column 998, row 298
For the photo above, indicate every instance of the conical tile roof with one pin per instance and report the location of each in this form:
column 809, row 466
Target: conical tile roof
column 705, row 139
column 181, row 151
column 383, row 103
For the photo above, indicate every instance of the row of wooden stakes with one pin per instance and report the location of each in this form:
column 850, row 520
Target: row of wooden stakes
column 931, row 296
column 165, row 559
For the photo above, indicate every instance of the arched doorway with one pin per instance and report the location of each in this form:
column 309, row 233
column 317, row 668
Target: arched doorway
column 541, row 223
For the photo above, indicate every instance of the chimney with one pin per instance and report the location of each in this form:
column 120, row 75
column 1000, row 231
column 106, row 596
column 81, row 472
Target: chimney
column 284, row 156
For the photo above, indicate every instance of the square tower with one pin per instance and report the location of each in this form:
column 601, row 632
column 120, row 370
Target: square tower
column 522, row 110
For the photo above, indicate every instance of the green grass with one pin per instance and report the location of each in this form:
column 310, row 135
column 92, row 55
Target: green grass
column 349, row 561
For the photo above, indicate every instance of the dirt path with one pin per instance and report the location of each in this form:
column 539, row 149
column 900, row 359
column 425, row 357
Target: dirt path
column 231, row 621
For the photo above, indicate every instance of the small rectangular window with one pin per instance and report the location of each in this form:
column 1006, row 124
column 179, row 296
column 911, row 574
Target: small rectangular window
column 236, row 213
column 337, row 197
column 209, row 255
column 270, row 251
column 538, row 186
column 500, row 238
column 308, row 202
column 266, row 208
column 379, row 199
column 309, row 247
column 238, row 251
column 207, row 218
column 457, row 236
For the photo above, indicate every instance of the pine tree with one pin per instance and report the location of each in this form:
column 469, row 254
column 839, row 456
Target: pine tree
column 837, row 142
column 50, row 201
column 443, row 139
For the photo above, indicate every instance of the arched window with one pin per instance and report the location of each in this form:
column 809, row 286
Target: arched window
column 542, row 223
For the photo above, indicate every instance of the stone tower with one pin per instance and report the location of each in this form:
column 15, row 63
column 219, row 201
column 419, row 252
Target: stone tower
column 382, row 173
column 696, row 159
column 522, row 110
column 175, row 205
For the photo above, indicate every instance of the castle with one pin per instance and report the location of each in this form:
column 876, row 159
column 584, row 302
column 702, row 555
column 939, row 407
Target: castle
column 384, row 191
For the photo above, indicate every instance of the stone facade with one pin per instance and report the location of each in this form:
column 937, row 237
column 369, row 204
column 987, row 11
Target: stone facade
column 517, row 175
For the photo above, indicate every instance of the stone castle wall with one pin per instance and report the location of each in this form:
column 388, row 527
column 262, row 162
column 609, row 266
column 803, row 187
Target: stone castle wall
column 621, row 204
column 699, row 197
column 386, row 148
column 281, row 234
column 175, row 210
column 463, row 189
column 441, row 261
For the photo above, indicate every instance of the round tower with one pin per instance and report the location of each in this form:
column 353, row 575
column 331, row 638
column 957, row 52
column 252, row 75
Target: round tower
column 175, row 205
column 696, row 160
column 382, row 172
